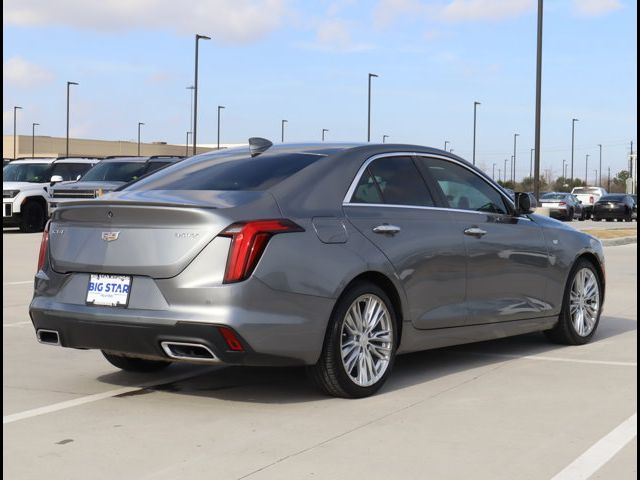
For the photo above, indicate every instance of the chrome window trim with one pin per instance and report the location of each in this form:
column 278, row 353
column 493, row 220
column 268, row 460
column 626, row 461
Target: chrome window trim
column 417, row 207
column 352, row 188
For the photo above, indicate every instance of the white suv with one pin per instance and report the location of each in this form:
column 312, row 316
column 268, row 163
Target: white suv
column 24, row 188
column 588, row 196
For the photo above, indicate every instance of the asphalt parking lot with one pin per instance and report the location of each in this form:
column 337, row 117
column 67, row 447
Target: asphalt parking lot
column 517, row 408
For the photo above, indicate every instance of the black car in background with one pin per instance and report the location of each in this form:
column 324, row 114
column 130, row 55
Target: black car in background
column 615, row 207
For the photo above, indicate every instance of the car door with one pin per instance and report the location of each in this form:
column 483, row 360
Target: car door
column 390, row 204
column 507, row 259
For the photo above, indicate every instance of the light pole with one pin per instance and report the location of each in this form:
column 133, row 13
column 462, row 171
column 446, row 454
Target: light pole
column 220, row 107
column 445, row 144
column 513, row 168
column 586, row 169
column 33, row 139
column 600, row 166
column 493, row 172
column 564, row 169
column 595, row 180
column 573, row 138
column 499, row 174
column 536, row 145
column 475, row 105
column 324, row 130
column 187, row 145
column 371, row 75
column 384, row 138
column 505, row 169
column 531, row 164
column 282, row 130
column 609, row 179
column 14, row 130
column 68, row 85
column 191, row 88
column 195, row 94
column 139, row 125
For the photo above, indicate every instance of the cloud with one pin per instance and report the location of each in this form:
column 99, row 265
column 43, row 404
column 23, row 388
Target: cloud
column 491, row 10
column 335, row 35
column 235, row 21
column 21, row 73
column 388, row 11
column 594, row 8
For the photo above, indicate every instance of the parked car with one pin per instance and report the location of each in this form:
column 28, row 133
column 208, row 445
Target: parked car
column 563, row 206
column 24, row 188
column 635, row 207
column 5, row 162
column 615, row 207
column 110, row 174
column 588, row 196
column 532, row 200
column 337, row 257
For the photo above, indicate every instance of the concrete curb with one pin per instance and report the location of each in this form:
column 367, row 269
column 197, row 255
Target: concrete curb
column 614, row 242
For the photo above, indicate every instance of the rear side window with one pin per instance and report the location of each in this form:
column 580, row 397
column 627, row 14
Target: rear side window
column 394, row 181
column 463, row 189
column 227, row 172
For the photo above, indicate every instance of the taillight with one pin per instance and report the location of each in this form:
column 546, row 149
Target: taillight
column 44, row 243
column 591, row 199
column 562, row 203
column 248, row 241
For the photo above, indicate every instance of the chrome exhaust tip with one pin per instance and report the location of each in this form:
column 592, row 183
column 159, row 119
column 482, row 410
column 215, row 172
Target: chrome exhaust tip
column 194, row 352
column 48, row 337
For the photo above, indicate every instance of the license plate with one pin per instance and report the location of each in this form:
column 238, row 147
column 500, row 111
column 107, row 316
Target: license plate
column 108, row 290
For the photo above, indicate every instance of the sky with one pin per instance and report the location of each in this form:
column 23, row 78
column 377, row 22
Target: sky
column 308, row 62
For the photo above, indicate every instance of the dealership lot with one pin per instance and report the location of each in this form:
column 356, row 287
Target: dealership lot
column 512, row 408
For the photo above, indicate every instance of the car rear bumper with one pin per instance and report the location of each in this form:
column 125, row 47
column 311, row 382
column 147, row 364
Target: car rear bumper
column 606, row 213
column 282, row 328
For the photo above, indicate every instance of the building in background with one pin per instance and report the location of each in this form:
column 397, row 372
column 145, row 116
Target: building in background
column 48, row 147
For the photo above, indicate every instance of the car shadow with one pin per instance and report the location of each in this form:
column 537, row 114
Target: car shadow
column 288, row 385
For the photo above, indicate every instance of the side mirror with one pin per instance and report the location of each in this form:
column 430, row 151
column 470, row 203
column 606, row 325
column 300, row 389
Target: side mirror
column 523, row 203
column 55, row 179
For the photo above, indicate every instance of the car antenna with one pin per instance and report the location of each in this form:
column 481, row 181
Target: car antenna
column 258, row 145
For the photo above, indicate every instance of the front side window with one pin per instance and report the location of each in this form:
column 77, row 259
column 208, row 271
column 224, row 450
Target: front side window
column 463, row 189
column 394, row 181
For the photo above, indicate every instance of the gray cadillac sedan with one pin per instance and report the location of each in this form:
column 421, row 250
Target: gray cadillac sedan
column 333, row 256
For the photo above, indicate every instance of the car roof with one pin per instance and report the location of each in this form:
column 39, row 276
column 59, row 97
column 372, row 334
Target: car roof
column 49, row 161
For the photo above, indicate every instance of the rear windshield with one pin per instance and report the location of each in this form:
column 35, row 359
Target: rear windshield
column 581, row 191
column 227, row 172
column 613, row 198
column 554, row 196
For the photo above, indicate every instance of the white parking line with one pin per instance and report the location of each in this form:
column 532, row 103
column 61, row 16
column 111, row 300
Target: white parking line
column 15, row 417
column 560, row 359
column 25, row 282
column 16, row 324
column 601, row 452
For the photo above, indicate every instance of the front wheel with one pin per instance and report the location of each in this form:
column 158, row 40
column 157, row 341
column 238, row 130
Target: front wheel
column 581, row 307
column 131, row 364
column 360, row 344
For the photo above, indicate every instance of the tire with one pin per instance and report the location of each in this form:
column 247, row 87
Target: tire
column 595, row 219
column 33, row 217
column 581, row 218
column 570, row 216
column 609, row 219
column 330, row 373
column 565, row 331
column 130, row 364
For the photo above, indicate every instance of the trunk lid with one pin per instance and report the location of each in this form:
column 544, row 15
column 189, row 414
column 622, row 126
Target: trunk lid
column 147, row 233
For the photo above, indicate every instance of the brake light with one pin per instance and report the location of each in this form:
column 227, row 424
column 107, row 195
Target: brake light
column 562, row 203
column 231, row 339
column 591, row 199
column 248, row 241
column 44, row 244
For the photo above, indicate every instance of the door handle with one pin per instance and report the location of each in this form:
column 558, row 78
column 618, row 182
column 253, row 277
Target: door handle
column 386, row 229
column 475, row 232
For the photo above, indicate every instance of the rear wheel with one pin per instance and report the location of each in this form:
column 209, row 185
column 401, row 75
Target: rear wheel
column 33, row 217
column 581, row 307
column 131, row 364
column 360, row 344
